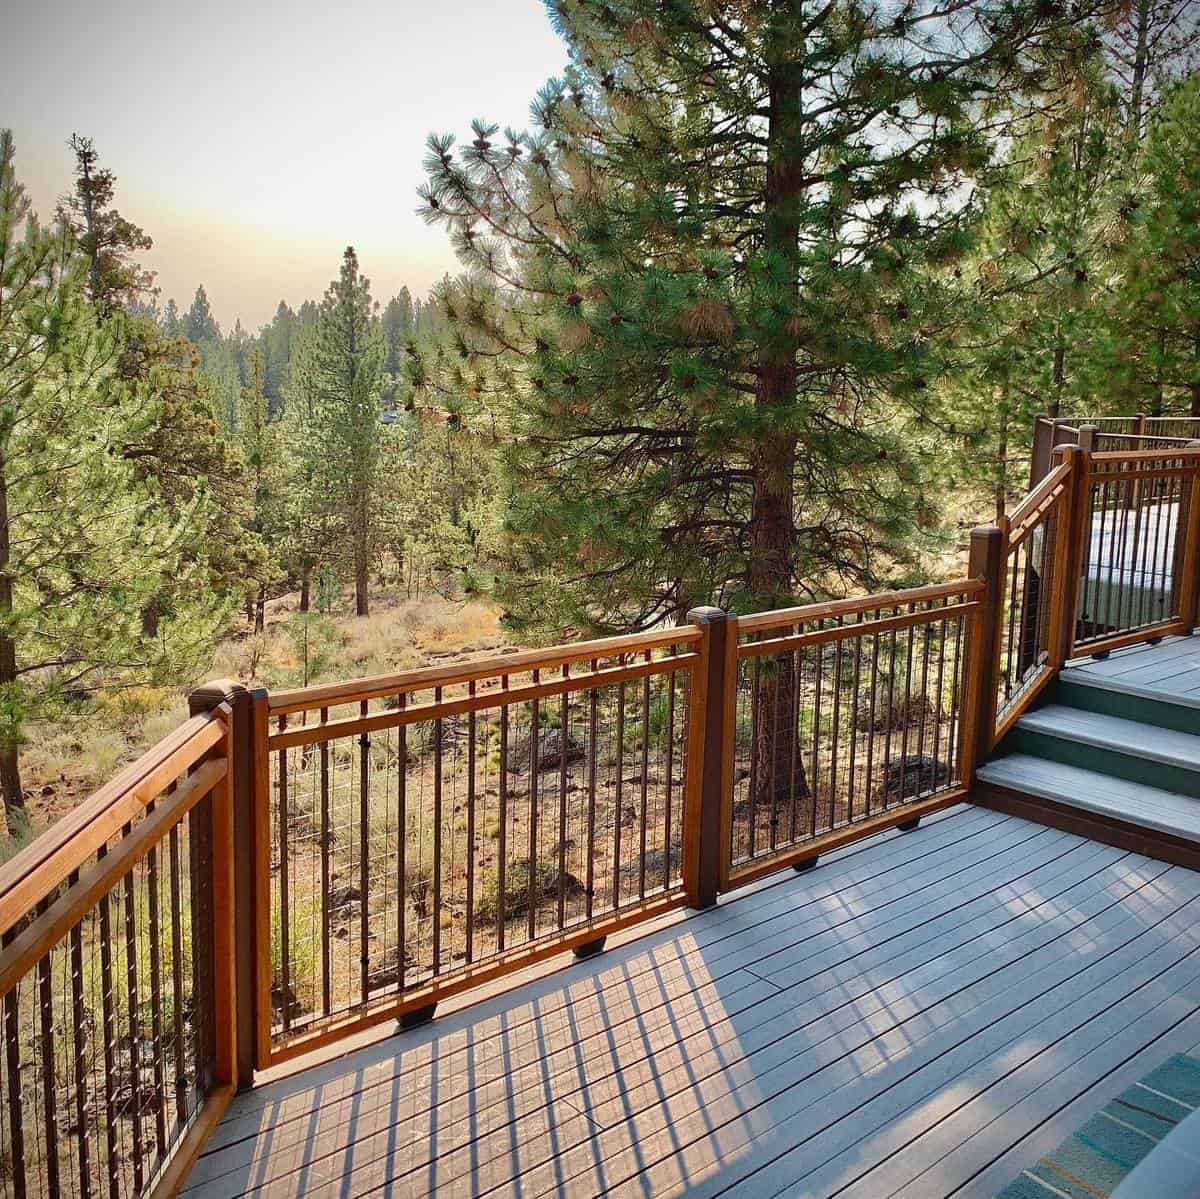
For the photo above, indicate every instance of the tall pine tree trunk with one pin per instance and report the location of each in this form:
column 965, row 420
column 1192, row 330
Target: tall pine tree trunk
column 150, row 617
column 1060, row 378
column 779, row 774
column 1158, row 405
column 10, row 766
column 1194, row 387
column 305, row 585
column 260, row 608
column 1141, row 61
column 361, row 573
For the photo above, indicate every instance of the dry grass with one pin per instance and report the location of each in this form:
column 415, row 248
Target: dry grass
column 64, row 760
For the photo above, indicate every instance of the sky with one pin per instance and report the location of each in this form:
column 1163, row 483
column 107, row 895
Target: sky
column 254, row 141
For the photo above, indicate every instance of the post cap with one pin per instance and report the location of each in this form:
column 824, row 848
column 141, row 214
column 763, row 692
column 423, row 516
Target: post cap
column 208, row 696
column 986, row 532
column 707, row 615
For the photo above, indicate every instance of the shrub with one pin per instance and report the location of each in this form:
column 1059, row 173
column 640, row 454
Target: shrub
column 516, row 889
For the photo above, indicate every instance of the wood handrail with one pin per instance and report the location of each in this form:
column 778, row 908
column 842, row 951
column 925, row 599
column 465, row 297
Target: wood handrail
column 1147, row 437
column 1187, row 451
column 328, row 695
column 1032, row 503
column 441, row 709
column 865, row 628
column 62, row 848
column 19, row 900
column 783, row 617
column 98, row 878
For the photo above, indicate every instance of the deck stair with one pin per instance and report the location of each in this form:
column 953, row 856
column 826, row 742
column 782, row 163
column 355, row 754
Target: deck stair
column 1103, row 751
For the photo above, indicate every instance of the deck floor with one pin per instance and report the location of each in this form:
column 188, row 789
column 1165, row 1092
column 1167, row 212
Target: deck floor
column 923, row 1015
column 1168, row 671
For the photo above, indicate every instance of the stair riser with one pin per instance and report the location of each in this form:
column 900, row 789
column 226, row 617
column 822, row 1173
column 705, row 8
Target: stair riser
column 1177, row 717
column 1115, row 764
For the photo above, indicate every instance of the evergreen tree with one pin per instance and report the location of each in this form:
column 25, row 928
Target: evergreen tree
column 397, row 321
column 1151, row 43
column 198, row 323
column 276, row 342
column 1151, row 355
column 105, row 238
column 259, row 446
column 85, row 541
column 715, row 238
column 1024, row 300
column 338, row 378
column 186, row 455
column 172, row 322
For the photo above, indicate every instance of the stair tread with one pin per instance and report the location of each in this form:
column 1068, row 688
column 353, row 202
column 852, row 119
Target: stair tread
column 1157, row 690
column 1151, row 807
column 1115, row 733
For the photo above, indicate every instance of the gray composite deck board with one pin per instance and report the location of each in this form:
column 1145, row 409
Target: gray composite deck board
column 849, row 1031
column 1113, row 733
column 829, row 950
column 1136, row 803
column 1169, row 671
column 874, row 875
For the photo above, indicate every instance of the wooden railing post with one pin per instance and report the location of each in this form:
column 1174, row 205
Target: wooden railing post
column 710, row 755
column 204, row 699
column 1044, row 429
column 1187, row 532
column 1077, row 530
column 986, row 562
column 1059, row 586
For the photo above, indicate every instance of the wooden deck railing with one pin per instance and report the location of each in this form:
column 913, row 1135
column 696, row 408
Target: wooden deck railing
column 402, row 838
column 843, row 713
column 1035, row 542
column 1094, row 433
column 117, row 934
column 427, row 832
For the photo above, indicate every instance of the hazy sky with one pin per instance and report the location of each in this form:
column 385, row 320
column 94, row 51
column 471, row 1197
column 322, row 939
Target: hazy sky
column 254, row 141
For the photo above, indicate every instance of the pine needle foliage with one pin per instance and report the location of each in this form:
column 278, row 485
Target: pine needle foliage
column 699, row 290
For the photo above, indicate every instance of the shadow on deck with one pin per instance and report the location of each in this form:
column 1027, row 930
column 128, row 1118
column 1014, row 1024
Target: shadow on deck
column 923, row 1015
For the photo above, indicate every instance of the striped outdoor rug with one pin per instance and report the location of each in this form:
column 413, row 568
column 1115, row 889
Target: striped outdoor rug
column 1094, row 1160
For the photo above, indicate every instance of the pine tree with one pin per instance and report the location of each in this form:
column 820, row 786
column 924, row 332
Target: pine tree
column 1151, row 357
column 259, row 446
column 85, row 540
column 1024, row 300
column 714, row 238
column 397, row 321
column 715, row 241
column 338, row 378
column 1151, row 44
column 276, row 344
column 105, row 238
column 199, row 324
column 188, row 455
